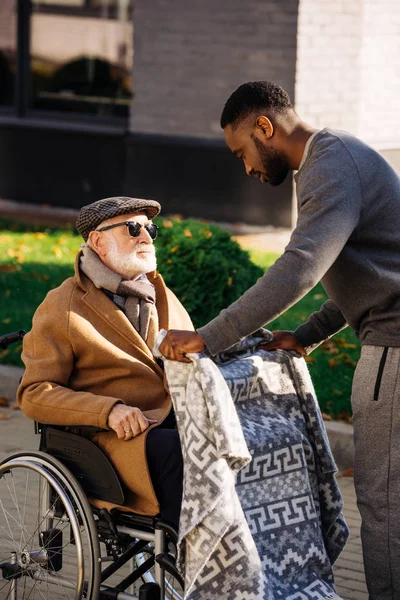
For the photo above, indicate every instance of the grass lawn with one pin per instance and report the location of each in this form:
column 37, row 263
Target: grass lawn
column 33, row 262
column 332, row 364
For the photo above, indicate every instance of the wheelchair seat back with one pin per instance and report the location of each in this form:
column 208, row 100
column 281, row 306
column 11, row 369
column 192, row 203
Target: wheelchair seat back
column 86, row 461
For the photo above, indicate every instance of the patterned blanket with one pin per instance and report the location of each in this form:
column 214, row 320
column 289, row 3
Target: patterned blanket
column 261, row 512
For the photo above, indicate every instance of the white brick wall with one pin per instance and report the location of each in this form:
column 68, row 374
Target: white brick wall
column 189, row 57
column 348, row 74
column 328, row 58
column 379, row 121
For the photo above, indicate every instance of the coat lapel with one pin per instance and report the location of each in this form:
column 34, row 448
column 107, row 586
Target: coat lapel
column 161, row 300
column 106, row 310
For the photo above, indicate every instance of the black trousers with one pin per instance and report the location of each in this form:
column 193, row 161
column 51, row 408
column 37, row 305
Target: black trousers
column 164, row 458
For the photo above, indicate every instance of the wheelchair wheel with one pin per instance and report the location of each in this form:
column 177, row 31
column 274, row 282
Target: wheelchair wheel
column 48, row 539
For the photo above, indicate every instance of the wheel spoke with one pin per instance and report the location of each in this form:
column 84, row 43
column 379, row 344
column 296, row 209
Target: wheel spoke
column 35, row 497
column 5, row 514
column 15, row 501
column 32, row 537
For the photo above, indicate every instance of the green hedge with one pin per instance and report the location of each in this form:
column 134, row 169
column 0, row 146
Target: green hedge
column 203, row 266
column 200, row 263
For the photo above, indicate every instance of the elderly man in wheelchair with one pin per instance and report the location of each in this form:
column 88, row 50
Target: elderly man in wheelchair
column 74, row 527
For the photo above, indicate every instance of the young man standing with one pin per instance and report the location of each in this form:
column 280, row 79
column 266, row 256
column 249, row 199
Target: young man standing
column 348, row 237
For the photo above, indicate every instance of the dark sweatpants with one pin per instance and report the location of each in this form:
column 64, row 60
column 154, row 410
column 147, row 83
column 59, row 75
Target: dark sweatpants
column 164, row 458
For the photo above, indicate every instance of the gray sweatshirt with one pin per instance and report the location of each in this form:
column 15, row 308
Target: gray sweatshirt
column 347, row 236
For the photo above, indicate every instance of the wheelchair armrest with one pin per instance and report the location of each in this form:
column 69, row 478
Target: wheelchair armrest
column 87, row 431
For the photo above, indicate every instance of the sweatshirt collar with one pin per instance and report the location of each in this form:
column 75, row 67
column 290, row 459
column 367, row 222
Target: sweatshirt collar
column 307, row 150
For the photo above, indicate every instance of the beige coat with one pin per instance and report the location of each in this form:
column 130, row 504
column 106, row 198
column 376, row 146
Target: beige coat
column 82, row 356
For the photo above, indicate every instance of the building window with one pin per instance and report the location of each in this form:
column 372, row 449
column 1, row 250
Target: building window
column 8, row 52
column 81, row 55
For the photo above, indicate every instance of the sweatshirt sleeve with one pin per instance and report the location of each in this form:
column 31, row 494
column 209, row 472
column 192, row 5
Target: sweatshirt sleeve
column 330, row 198
column 320, row 326
column 48, row 356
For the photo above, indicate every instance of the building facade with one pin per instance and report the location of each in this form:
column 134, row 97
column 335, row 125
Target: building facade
column 105, row 97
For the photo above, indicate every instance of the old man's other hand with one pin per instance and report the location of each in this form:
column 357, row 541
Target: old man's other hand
column 284, row 340
column 177, row 344
column 128, row 421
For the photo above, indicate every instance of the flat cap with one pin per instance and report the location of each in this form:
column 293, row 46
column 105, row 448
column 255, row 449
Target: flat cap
column 91, row 215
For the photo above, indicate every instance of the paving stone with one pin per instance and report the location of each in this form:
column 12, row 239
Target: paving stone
column 349, row 568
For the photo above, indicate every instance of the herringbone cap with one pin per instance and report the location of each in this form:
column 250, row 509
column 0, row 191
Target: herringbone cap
column 91, row 215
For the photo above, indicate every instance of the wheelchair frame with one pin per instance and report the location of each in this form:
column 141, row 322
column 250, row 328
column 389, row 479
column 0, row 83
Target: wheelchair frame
column 70, row 469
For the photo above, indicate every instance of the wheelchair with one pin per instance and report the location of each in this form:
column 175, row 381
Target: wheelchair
column 57, row 544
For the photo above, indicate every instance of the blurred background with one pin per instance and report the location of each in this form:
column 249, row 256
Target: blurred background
column 99, row 97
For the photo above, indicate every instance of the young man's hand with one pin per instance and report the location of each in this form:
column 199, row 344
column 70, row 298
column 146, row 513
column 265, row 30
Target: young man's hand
column 128, row 421
column 284, row 340
column 178, row 343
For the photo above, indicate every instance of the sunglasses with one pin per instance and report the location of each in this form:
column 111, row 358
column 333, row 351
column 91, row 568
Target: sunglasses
column 134, row 228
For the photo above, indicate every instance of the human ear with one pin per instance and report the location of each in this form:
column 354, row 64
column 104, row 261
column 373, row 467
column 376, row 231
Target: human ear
column 95, row 242
column 265, row 125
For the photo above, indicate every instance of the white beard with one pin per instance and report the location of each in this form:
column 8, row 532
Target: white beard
column 129, row 265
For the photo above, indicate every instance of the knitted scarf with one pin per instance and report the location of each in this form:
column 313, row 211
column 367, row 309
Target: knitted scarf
column 139, row 294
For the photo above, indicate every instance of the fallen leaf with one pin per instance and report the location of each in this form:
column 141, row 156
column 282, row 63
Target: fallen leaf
column 310, row 359
column 329, row 347
column 336, row 392
column 347, row 473
column 39, row 276
column 343, row 343
column 326, row 417
column 4, row 401
column 349, row 361
column 9, row 268
column 15, row 406
column 4, row 417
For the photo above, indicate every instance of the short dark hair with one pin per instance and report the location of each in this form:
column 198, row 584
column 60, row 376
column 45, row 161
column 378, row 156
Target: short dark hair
column 252, row 96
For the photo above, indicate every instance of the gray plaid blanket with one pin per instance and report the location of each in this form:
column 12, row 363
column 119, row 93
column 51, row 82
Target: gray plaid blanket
column 261, row 512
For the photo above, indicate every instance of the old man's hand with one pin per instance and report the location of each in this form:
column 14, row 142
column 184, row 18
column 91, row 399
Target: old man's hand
column 128, row 421
column 284, row 340
column 177, row 344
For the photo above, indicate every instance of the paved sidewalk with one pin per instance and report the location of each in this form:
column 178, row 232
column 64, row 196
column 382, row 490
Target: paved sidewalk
column 17, row 433
column 349, row 570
